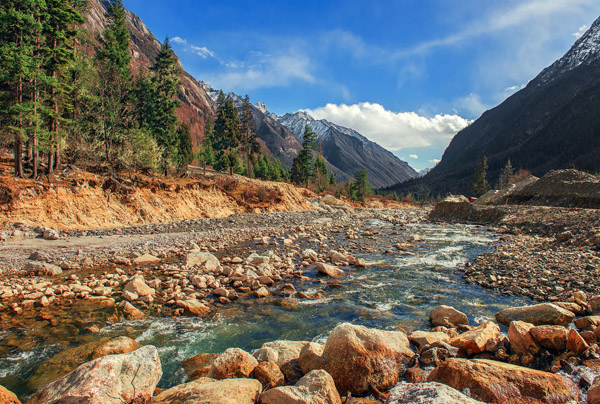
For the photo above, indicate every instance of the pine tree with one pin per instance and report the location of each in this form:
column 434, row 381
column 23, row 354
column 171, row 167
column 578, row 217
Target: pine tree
column 302, row 166
column 362, row 185
column 185, row 154
column 16, row 65
column 60, row 29
column 114, row 86
column 321, row 174
column 505, row 175
column 332, row 179
column 163, row 121
column 248, row 138
column 226, row 133
column 480, row 184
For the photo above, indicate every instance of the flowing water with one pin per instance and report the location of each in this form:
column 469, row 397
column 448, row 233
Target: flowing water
column 394, row 290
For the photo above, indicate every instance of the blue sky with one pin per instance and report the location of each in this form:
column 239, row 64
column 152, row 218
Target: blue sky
column 408, row 74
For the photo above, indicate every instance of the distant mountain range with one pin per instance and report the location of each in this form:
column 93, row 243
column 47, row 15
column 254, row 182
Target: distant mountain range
column 346, row 150
column 552, row 123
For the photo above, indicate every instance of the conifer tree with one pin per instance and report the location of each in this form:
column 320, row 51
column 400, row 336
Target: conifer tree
column 362, row 185
column 321, row 174
column 480, row 184
column 226, row 133
column 163, row 121
column 16, row 26
column 60, row 29
column 505, row 175
column 302, row 166
column 248, row 138
column 114, row 87
column 185, row 154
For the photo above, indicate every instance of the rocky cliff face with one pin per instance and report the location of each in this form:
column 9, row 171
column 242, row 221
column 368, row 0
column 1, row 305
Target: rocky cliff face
column 196, row 105
column 552, row 123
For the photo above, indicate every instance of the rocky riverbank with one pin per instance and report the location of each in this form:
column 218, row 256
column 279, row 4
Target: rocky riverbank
column 546, row 253
column 540, row 360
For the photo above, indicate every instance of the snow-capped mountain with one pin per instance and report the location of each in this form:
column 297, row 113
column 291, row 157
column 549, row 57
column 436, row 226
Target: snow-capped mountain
column 296, row 122
column 349, row 151
column 586, row 50
column 552, row 123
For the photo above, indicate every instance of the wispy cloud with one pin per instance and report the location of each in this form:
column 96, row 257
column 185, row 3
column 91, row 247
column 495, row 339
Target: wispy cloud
column 413, row 156
column 202, row 51
column 393, row 130
column 179, row 40
column 580, row 31
column 270, row 71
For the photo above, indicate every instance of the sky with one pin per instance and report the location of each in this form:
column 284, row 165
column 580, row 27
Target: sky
column 407, row 74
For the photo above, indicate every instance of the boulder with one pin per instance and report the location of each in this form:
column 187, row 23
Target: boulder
column 422, row 338
column 330, row 270
column 475, row 340
column 269, row 375
column 316, row 387
column 255, row 259
column 538, row 314
column 51, row 234
column 146, row 259
column 521, row 340
column 309, row 254
column 210, row 391
column 575, row 343
column 42, row 268
column 311, row 357
column 357, row 356
column 588, row 323
column 280, row 351
column 193, row 306
column 233, row 363
column 498, row 382
column 8, row 397
column 198, row 366
column 427, row 393
column 68, row 359
column 447, row 316
column 138, row 286
column 131, row 311
column 112, row 379
column 209, row 261
column 593, row 393
column 553, row 337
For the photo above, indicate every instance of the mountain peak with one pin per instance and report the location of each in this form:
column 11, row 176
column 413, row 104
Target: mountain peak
column 586, row 50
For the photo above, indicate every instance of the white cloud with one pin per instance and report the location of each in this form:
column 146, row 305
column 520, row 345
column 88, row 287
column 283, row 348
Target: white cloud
column 413, row 156
column 178, row 40
column 393, row 130
column 581, row 31
column 271, row 71
column 434, row 161
column 203, row 51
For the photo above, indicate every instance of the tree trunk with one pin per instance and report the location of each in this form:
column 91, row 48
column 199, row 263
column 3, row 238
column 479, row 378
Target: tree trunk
column 18, row 136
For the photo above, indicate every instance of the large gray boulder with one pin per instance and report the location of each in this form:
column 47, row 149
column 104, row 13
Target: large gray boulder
column 537, row 314
column 112, row 379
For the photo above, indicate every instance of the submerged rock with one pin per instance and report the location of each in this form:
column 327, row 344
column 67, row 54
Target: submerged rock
column 112, row 379
column 447, row 316
column 498, row 382
column 68, row 359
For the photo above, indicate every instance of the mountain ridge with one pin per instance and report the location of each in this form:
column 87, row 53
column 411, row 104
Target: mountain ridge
column 552, row 123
